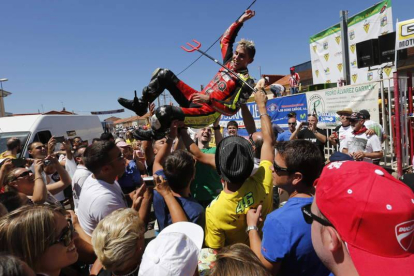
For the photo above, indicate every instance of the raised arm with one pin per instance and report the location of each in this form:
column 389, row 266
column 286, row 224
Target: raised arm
column 194, row 150
column 39, row 190
column 65, row 179
column 267, row 152
column 165, row 149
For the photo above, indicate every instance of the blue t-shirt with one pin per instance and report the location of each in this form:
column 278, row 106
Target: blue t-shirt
column 287, row 239
column 193, row 210
column 131, row 177
column 285, row 136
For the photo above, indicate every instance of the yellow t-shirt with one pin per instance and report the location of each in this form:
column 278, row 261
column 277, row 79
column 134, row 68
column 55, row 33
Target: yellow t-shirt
column 226, row 214
column 4, row 155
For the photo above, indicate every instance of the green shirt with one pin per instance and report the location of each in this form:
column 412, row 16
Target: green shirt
column 207, row 184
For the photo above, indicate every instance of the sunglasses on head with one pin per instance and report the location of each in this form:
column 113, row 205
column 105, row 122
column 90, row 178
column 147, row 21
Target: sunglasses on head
column 66, row 236
column 310, row 217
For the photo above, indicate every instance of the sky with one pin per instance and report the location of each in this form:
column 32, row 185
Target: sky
column 84, row 54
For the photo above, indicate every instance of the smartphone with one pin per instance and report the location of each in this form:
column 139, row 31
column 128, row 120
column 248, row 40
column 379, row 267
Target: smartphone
column 19, row 162
column 149, row 181
column 305, row 124
column 60, row 139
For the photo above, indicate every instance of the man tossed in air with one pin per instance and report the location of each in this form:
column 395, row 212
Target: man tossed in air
column 223, row 95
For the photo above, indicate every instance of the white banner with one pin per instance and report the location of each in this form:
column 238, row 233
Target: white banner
column 357, row 97
column 405, row 34
column 326, row 49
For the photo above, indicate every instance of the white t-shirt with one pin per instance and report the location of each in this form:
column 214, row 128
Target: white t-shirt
column 98, row 199
column 59, row 196
column 362, row 142
column 342, row 133
column 78, row 179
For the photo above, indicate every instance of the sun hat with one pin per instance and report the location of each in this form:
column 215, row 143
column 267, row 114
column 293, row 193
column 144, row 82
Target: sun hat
column 373, row 213
column 174, row 251
column 346, row 111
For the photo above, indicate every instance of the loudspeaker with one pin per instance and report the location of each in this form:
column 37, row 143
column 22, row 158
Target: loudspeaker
column 367, row 53
column 386, row 44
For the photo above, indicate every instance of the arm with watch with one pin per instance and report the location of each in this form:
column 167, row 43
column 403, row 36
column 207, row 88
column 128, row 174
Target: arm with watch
column 166, row 148
column 322, row 138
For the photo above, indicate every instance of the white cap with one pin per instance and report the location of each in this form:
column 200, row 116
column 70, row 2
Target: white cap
column 174, row 251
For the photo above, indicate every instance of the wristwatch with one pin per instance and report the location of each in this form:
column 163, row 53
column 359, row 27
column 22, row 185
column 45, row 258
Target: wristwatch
column 253, row 227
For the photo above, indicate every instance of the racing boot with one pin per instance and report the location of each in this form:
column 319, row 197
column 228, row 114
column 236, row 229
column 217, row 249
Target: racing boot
column 160, row 123
column 160, row 80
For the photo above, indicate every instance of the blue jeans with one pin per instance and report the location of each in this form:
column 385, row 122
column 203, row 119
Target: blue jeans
column 294, row 90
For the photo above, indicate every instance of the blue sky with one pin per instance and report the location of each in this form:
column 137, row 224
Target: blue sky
column 84, row 54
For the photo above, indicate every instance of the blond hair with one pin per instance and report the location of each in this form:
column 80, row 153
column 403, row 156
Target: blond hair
column 28, row 231
column 238, row 260
column 115, row 239
column 249, row 46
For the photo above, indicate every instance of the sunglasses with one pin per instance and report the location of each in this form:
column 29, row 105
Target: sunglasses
column 279, row 169
column 310, row 217
column 22, row 175
column 292, row 123
column 66, row 236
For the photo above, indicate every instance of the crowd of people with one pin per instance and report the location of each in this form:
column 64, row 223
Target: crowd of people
column 172, row 204
column 248, row 206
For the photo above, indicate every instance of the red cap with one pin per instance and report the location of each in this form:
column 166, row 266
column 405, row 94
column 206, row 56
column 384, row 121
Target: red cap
column 292, row 68
column 374, row 214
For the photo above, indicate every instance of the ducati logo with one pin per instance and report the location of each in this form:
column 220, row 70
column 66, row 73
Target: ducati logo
column 366, row 27
column 354, row 78
column 317, row 73
column 326, row 56
column 405, row 234
column 338, row 39
column 352, row 48
column 340, row 67
column 314, row 47
column 387, row 71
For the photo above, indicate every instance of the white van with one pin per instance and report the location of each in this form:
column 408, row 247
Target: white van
column 34, row 128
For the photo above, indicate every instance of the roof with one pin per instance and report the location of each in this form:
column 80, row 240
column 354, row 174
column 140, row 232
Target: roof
column 304, row 75
column 112, row 119
column 131, row 119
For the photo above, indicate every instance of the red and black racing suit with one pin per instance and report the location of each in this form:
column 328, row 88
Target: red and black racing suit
column 227, row 93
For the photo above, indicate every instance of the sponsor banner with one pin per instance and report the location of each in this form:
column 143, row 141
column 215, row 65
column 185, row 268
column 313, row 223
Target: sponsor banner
column 107, row 112
column 405, row 34
column 326, row 46
column 278, row 109
column 325, row 103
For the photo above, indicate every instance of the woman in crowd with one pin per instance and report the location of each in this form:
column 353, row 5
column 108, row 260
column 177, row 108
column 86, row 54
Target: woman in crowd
column 129, row 138
column 131, row 179
column 238, row 260
column 40, row 236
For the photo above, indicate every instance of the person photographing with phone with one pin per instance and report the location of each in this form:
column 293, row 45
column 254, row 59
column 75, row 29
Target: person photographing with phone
column 309, row 131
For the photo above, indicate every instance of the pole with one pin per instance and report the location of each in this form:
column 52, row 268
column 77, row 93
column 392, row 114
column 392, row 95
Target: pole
column 410, row 111
column 345, row 46
column 2, row 113
column 397, row 125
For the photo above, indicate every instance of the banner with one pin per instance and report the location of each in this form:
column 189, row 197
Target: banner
column 325, row 103
column 326, row 46
column 107, row 112
column 278, row 109
column 405, row 34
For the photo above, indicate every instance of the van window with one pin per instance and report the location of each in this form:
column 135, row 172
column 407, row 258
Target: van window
column 42, row 136
column 4, row 136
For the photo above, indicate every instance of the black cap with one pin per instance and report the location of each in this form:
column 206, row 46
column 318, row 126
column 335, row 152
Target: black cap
column 292, row 114
column 365, row 113
column 234, row 159
column 356, row 116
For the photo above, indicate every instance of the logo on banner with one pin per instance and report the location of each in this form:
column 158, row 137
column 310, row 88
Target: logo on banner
column 383, row 8
column 370, row 76
column 328, row 81
column 222, row 86
column 354, row 78
column 338, row 39
column 384, row 21
column 354, row 63
column 352, row 47
column 405, row 234
column 317, row 73
column 316, row 104
column 339, row 65
column 407, row 30
column 387, row 71
column 272, row 108
column 325, row 45
column 326, row 56
column 327, row 71
column 314, row 47
column 352, row 35
column 366, row 26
